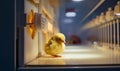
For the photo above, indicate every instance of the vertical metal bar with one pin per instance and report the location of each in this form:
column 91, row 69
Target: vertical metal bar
column 96, row 33
column 118, row 33
column 103, row 34
column 115, row 36
column 39, row 33
column 99, row 33
column 114, row 33
column 116, row 29
column 108, row 34
column 112, row 36
column 118, row 24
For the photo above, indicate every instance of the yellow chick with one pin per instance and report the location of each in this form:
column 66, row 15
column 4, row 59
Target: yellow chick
column 55, row 45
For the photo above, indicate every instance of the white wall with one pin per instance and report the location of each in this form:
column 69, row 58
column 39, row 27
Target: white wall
column 28, row 6
column 30, row 46
column 41, row 43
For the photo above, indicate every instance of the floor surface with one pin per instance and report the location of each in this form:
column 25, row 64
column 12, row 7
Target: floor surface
column 80, row 55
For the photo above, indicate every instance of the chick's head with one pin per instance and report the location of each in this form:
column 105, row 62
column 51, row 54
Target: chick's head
column 59, row 37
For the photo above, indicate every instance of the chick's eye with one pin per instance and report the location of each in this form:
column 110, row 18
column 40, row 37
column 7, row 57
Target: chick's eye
column 58, row 39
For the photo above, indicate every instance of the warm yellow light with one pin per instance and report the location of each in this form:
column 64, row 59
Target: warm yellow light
column 32, row 32
column 50, row 27
column 31, row 23
column 31, row 16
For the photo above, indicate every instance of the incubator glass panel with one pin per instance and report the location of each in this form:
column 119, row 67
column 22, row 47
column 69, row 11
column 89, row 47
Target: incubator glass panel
column 67, row 33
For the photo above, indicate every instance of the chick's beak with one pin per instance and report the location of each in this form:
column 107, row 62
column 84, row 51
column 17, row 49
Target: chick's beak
column 63, row 41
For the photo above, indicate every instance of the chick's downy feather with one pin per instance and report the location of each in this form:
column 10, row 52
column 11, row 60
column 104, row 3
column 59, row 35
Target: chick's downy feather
column 55, row 45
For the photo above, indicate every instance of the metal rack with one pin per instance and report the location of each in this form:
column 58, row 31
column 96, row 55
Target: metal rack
column 107, row 28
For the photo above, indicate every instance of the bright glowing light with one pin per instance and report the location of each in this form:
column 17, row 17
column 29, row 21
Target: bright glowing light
column 95, row 43
column 82, row 56
column 83, row 53
column 70, row 14
column 50, row 27
column 77, row 0
column 78, row 50
column 68, row 20
column 118, row 14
